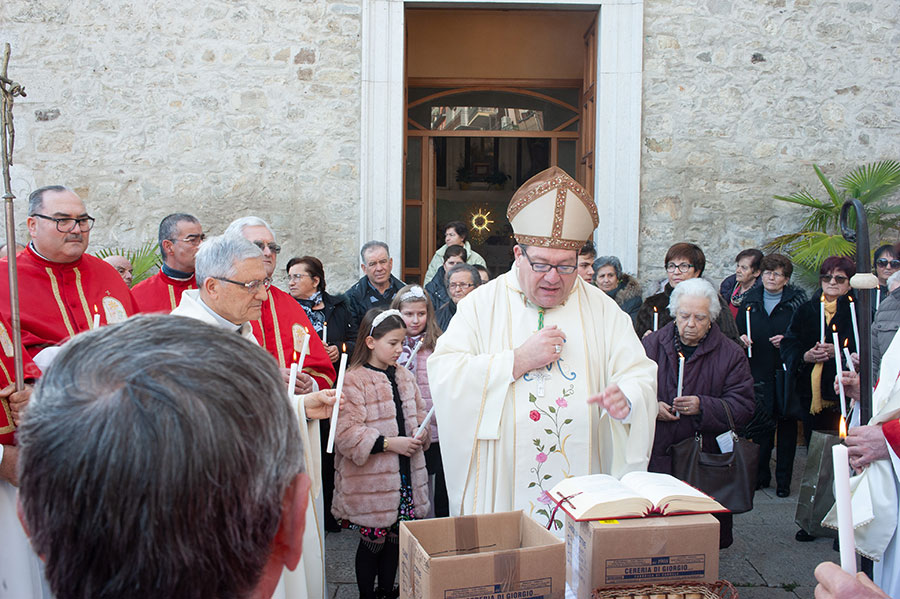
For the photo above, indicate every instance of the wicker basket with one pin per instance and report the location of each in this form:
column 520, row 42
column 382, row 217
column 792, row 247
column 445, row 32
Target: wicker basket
column 721, row 589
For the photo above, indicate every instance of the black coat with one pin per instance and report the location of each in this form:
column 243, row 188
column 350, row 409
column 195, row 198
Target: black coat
column 362, row 297
column 802, row 334
column 342, row 328
column 437, row 290
column 766, row 364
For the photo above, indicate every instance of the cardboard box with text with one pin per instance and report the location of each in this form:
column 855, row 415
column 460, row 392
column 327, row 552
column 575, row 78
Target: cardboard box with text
column 491, row 556
column 641, row 551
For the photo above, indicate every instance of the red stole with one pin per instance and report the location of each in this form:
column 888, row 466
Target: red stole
column 280, row 331
column 160, row 293
column 891, row 432
column 59, row 300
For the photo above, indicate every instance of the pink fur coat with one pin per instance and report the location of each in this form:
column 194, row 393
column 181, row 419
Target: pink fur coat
column 367, row 485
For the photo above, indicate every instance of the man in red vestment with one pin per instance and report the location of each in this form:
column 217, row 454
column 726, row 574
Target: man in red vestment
column 180, row 236
column 62, row 288
column 284, row 324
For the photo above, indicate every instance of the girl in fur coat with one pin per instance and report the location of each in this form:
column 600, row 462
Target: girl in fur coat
column 380, row 476
column 417, row 309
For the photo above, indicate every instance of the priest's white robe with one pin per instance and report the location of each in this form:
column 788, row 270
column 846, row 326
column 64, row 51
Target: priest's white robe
column 307, row 580
column 509, row 442
column 21, row 570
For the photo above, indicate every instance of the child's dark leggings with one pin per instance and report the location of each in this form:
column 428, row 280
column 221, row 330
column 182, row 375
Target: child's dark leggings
column 377, row 559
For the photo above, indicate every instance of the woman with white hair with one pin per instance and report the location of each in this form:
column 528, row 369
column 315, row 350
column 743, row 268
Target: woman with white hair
column 716, row 374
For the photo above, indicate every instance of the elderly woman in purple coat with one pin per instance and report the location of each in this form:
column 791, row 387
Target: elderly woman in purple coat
column 715, row 370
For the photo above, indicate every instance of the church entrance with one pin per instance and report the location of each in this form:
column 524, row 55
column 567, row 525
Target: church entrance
column 493, row 97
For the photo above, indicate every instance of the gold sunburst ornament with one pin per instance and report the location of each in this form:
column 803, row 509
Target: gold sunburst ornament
column 481, row 222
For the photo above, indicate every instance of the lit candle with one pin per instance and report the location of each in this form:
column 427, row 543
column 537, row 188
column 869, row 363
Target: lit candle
column 877, row 301
column 337, row 400
column 655, row 319
column 292, row 381
column 847, row 356
column 303, row 351
column 837, row 365
column 749, row 338
column 412, row 357
column 853, row 318
column 96, row 324
column 822, row 319
column 325, row 333
column 425, row 422
column 680, row 373
column 842, row 500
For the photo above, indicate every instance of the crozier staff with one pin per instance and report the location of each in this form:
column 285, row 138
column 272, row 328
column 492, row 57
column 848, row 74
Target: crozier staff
column 530, row 352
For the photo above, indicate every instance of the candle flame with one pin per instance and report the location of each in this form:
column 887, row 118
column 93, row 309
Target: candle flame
column 295, row 355
column 748, row 308
column 845, row 341
column 681, row 355
column 654, row 309
column 343, row 348
column 96, row 311
column 834, row 328
column 850, row 298
column 822, row 299
column 842, row 431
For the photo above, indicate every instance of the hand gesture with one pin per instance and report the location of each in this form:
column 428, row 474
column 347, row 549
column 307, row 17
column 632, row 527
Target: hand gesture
column 818, row 353
column 540, row 349
column 687, row 405
column 404, row 445
column 18, row 401
column 303, row 385
column 318, row 405
column 776, row 340
column 834, row 583
column 333, row 352
column 865, row 444
column 851, row 384
column 613, row 400
column 746, row 340
column 665, row 412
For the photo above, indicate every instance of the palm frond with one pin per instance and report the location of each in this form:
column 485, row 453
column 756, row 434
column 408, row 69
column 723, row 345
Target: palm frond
column 143, row 260
column 871, row 182
column 812, row 248
column 836, row 198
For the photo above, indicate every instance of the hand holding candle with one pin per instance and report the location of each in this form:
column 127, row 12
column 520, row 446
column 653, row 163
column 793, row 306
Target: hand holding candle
column 680, row 374
column 337, row 400
column 846, row 540
column 424, row 424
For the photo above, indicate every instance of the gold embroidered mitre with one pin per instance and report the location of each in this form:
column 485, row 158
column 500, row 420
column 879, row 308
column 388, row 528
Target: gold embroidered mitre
column 552, row 210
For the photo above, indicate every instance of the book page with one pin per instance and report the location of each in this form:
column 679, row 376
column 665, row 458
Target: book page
column 662, row 489
column 598, row 496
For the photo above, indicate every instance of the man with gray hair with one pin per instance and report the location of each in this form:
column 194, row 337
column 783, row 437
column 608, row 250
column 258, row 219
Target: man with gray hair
column 62, row 286
column 195, row 484
column 377, row 287
column 180, row 236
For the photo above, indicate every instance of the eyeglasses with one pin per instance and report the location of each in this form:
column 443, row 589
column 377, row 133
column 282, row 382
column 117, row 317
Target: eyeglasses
column 883, row 263
column 563, row 269
column 273, row 247
column 194, row 240
column 460, row 285
column 682, row 267
column 773, row 274
column 298, row 275
column 839, row 279
column 252, row 286
column 67, row 225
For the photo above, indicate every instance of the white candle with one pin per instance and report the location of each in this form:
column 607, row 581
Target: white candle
column 837, row 365
column 822, row 320
column 325, row 333
column 844, row 512
column 424, row 424
column 749, row 338
column 96, row 324
column 680, row 374
column 337, row 403
column 877, row 301
column 847, row 357
column 853, row 318
column 303, row 351
column 655, row 319
column 412, row 356
column 292, row 381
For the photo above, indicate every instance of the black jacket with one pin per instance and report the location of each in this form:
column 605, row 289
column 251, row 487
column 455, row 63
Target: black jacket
column 765, row 363
column 628, row 295
column 802, row 334
column 341, row 326
column 362, row 297
column 444, row 314
column 437, row 290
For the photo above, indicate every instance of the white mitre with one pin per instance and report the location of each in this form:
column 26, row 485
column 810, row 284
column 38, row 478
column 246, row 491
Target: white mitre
column 552, row 210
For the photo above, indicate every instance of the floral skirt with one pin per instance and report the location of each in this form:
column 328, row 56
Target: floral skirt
column 406, row 511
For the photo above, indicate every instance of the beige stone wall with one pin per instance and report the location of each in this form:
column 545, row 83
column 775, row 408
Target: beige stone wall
column 216, row 108
column 741, row 97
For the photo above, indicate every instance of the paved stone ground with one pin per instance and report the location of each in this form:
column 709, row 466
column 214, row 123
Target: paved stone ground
column 764, row 562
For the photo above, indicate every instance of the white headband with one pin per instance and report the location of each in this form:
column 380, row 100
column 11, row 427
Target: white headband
column 380, row 318
column 415, row 292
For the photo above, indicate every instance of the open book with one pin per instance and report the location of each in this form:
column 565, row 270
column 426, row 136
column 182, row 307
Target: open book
column 638, row 494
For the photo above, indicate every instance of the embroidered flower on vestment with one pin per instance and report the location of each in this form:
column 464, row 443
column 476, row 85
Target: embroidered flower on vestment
column 534, row 415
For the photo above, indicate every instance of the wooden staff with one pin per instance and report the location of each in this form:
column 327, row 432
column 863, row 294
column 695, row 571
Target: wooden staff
column 9, row 90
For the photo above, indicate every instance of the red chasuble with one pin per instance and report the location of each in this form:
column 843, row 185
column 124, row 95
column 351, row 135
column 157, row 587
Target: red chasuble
column 7, row 377
column 891, row 430
column 58, row 300
column 160, row 293
column 281, row 330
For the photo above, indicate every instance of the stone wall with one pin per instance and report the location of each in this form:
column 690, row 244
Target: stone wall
column 741, row 97
column 217, row 108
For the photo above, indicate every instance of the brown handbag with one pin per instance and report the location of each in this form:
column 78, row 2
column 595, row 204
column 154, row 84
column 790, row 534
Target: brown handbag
column 729, row 478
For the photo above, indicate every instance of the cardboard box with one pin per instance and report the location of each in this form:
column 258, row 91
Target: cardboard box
column 641, row 551
column 490, row 556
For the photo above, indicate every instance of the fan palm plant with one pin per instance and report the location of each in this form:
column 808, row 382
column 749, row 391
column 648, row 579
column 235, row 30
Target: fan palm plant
column 820, row 236
column 144, row 259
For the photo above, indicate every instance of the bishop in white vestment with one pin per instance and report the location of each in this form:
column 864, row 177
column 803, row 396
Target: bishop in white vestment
column 517, row 373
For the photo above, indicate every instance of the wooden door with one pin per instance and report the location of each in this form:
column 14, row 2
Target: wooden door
column 588, row 109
